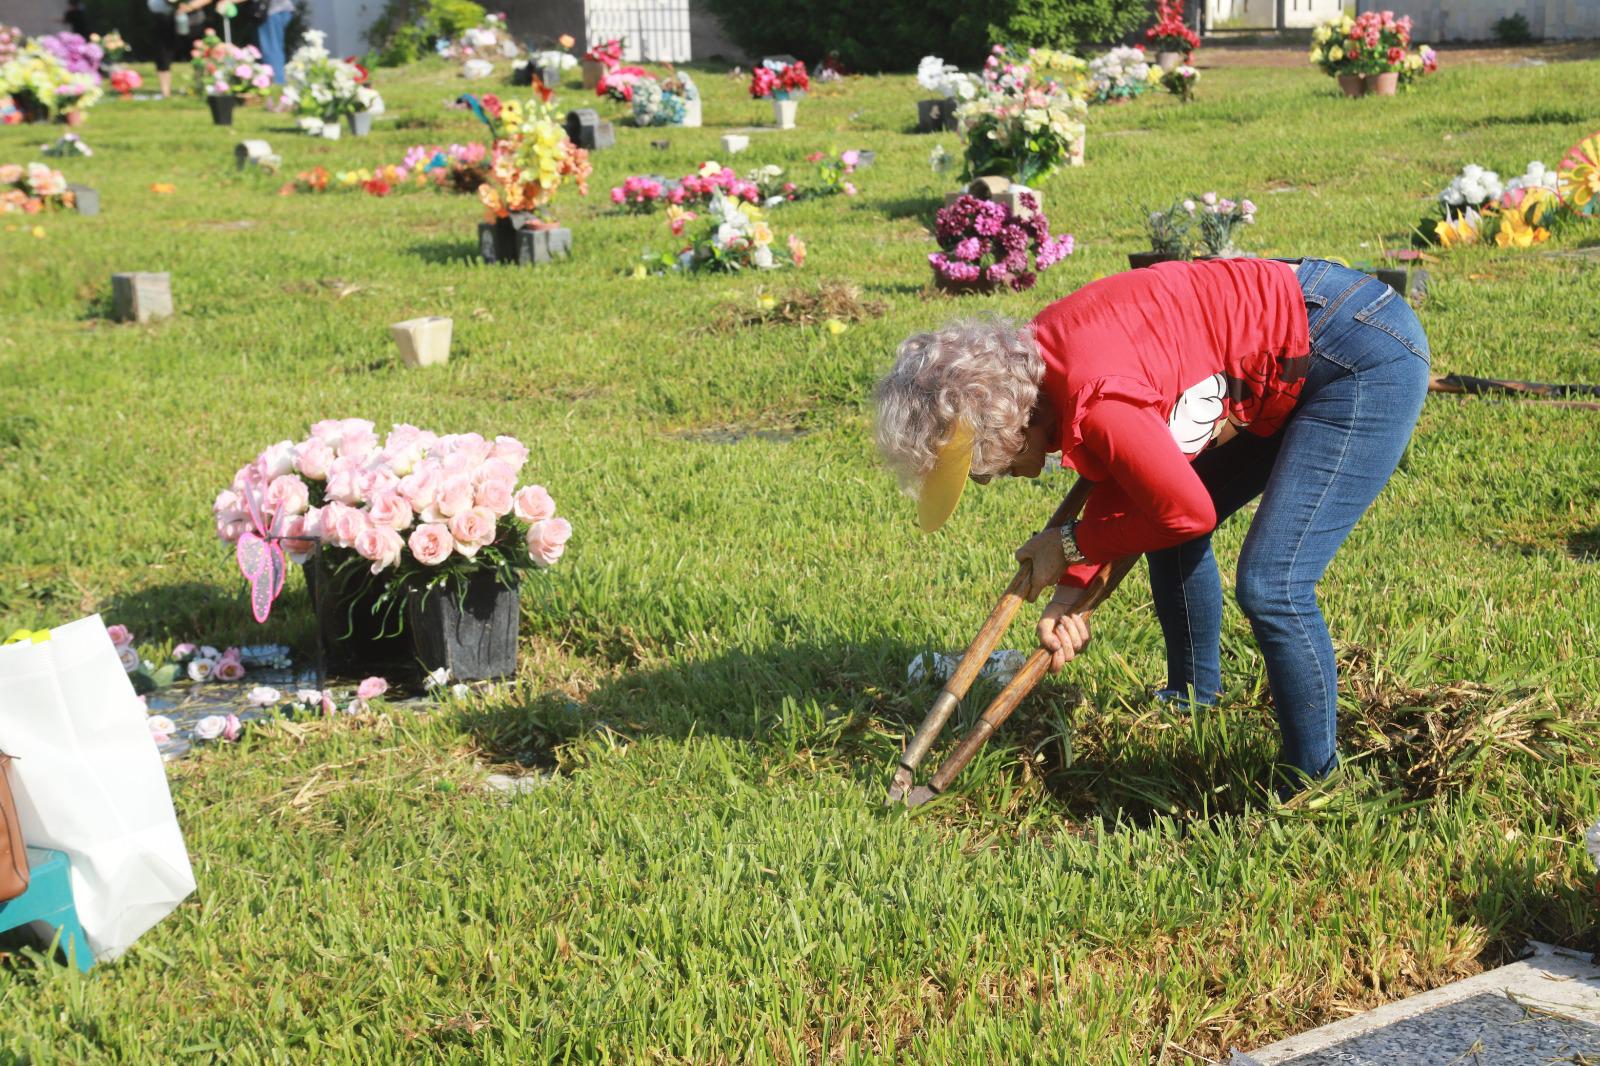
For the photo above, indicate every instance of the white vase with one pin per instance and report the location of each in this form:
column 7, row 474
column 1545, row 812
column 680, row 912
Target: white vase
column 691, row 113
column 1168, row 61
column 331, row 130
column 423, row 341
column 783, row 112
column 360, row 123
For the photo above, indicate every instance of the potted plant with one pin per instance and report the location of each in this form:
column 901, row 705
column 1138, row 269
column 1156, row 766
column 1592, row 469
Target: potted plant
column 1171, row 235
column 1170, row 37
column 1027, row 118
column 1384, row 41
column 1216, row 220
column 599, row 59
column 1180, row 81
column 421, row 540
column 785, row 83
column 727, row 235
column 532, row 158
column 80, row 88
column 322, row 89
column 227, row 74
column 984, row 245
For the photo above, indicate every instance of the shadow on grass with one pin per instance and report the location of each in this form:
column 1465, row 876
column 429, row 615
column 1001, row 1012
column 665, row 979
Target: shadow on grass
column 922, row 208
column 213, row 614
column 446, row 253
column 1584, row 545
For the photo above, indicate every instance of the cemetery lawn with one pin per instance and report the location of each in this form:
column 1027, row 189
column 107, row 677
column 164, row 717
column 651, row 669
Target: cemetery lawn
column 716, row 672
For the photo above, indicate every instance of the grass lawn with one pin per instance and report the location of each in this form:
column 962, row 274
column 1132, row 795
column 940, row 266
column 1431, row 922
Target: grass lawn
column 718, row 667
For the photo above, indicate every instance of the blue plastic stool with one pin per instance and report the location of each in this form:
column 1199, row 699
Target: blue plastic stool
column 49, row 899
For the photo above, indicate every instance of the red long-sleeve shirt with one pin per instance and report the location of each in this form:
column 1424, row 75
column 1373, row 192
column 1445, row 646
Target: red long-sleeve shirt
column 1144, row 369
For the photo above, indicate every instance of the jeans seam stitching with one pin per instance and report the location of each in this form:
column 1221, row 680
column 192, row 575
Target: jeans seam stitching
column 1344, row 452
column 1393, row 333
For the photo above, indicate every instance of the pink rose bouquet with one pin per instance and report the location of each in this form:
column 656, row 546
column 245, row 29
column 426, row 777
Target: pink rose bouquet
column 412, row 508
column 222, row 69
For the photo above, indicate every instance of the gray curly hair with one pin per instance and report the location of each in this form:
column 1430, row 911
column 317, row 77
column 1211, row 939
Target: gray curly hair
column 984, row 370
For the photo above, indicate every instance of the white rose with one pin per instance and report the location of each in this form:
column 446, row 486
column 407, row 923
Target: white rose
column 210, row 727
column 200, row 669
column 263, row 696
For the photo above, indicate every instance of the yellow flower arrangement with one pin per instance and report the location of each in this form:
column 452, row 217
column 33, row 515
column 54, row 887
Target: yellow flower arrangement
column 1580, row 176
column 1460, row 232
column 1515, row 231
column 531, row 161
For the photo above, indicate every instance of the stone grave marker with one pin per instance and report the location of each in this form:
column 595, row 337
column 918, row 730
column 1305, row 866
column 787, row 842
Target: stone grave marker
column 586, row 129
column 141, row 297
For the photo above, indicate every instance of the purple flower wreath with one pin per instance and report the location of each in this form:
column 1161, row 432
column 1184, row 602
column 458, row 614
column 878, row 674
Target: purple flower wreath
column 986, row 246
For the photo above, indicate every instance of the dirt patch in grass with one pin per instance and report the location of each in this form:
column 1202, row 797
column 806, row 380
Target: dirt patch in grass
column 836, row 301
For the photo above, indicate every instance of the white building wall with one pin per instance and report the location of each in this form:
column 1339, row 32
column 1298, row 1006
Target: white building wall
column 1271, row 14
column 1473, row 20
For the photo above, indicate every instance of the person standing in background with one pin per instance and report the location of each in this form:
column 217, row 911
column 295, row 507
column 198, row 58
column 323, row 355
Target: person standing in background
column 173, row 29
column 77, row 18
column 271, row 33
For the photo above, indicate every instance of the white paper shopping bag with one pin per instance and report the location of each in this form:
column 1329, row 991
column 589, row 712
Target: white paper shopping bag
column 89, row 781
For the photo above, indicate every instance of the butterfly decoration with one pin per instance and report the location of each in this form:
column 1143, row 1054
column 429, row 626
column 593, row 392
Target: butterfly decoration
column 476, row 107
column 259, row 554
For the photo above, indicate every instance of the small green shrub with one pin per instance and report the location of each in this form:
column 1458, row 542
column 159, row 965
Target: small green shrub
column 1513, row 29
column 449, row 18
column 405, row 45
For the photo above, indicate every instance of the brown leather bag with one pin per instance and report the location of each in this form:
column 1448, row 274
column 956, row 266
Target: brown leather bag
column 13, row 853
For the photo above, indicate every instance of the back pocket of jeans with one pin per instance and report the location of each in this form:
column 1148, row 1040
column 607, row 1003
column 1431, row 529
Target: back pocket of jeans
column 1395, row 318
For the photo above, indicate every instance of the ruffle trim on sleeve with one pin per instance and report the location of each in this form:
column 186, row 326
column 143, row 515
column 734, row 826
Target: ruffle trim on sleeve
column 1111, row 387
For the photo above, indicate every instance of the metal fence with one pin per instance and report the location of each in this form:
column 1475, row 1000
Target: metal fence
column 654, row 31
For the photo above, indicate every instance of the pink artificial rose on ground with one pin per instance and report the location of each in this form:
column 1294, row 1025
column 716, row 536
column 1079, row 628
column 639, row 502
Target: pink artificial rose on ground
column 372, row 688
column 119, row 635
column 547, row 540
column 431, row 543
column 183, row 651
column 533, row 504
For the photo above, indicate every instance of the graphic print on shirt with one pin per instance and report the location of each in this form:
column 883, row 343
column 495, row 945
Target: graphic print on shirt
column 1198, row 415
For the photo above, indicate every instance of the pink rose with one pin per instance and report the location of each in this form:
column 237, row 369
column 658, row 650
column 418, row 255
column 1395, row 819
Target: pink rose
column 547, row 540
column 293, row 526
column 288, row 495
column 390, row 509
column 511, row 450
column 312, row 458
column 183, row 651
column 277, row 460
column 492, row 470
column 119, row 635
column 454, row 496
column 345, row 527
column 495, row 495
column 232, row 727
column 381, row 546
column 533, row 504
column 420, row 486
column 473, row 529
column 431, row 544
column 372, row 688
column 228, row 670
column 345, row 478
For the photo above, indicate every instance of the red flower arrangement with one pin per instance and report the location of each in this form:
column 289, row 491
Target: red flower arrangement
column 780, row 82
column 1169, row 34
column 609, row 53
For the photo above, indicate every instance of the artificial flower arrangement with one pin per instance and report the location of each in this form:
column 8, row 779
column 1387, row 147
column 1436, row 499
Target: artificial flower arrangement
column 1171, row 33
column 1478, row 208
column 488, row 40
column 1026, row 118
column 607, row 53
column 124, row 80
column 664, row 102
column 198, row 663
column 223, row 69
column 1203, row 224
column 1373, row 43
column 11, row 41
column 1180, row 81
column 41, row 85
column 1121, row 74
column 727, row 235
column 831, row 68
column 32, row 189
column 321, row 88
column 532, row 158
column 112, row 47
column 68, row 143
column 984, row 246
column 833, row 173
column 458, row 167
column 414, row 511
column 619, row 83
column 945, row 80
column 780, row 81
column 641, row 194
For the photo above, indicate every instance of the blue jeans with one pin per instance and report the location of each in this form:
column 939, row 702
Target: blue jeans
column 1360, row 400
column 270, row 37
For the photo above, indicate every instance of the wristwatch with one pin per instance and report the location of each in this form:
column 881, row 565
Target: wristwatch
column 1069, row 544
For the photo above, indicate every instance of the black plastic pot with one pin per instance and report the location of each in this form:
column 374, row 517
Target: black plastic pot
column 357, row 636
column 470, row 630
column 221, row 109
column 1144, row 259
